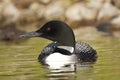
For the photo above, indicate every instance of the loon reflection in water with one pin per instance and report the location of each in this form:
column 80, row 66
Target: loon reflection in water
column 64, row 50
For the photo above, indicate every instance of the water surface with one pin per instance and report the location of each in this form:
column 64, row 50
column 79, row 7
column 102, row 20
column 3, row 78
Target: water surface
column 19, row 62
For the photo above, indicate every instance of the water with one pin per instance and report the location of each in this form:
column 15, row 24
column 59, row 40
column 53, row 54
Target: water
column 19, row 62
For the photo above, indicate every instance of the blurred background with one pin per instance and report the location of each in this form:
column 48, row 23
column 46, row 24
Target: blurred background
column 88, row 18
column 96, row 22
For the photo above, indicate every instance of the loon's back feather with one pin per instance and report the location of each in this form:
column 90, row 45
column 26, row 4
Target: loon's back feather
column 83, row 51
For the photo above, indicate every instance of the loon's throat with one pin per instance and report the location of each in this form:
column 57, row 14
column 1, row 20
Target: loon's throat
column 68, row 48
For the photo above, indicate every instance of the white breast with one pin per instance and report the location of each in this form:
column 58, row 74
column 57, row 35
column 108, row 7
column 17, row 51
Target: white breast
column 58, row 60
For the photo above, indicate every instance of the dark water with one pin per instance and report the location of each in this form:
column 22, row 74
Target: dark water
column 19, row 62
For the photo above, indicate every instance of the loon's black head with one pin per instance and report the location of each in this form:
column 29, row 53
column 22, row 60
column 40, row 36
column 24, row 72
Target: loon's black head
column 56, row 31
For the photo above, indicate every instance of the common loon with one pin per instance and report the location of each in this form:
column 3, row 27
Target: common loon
column 64, row 47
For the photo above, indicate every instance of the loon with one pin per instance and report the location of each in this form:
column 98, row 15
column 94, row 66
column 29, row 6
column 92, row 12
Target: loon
column 64, row 47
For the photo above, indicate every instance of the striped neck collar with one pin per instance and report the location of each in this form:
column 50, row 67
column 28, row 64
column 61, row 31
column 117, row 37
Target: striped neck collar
column 68, row 48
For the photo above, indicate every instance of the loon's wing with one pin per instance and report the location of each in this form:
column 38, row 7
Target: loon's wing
column 85, row 53
column 49, row 49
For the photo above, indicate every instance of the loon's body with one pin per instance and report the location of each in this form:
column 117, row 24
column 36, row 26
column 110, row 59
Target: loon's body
column 83, row 52
column 63, row 44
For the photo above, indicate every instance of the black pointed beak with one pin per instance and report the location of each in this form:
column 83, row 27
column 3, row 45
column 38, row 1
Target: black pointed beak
column 31, row 34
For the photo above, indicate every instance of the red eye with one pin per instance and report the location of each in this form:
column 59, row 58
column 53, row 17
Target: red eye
column 48, row 29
